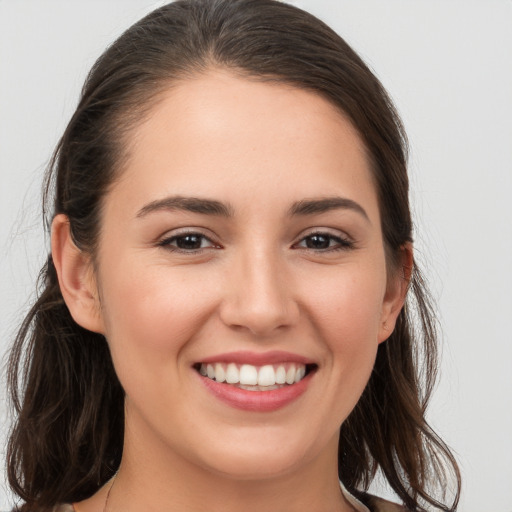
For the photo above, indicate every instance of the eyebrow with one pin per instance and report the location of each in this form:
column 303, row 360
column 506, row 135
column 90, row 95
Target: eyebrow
column 189, row 204
column 206, row 206
column 316, row 206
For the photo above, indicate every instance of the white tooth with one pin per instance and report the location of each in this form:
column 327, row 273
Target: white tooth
column 202, row 370
column 220, row 374
column 248, row 375
column 290, row 374
column 210, row 371
column 301, row 371
column 259, row 388
column 280, row 375
column 249, row 388
column 232, row 374
column 266, row 376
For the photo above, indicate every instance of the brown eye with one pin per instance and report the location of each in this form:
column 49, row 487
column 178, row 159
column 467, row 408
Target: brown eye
column 187, row 242
column 318, row 242
column 324, row 242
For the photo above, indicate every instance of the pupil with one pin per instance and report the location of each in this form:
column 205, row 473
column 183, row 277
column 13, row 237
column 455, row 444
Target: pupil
column 318, row 242
column 189, row 242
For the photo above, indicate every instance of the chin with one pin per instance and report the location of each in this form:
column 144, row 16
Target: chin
column 244, row 469
column 261, row 459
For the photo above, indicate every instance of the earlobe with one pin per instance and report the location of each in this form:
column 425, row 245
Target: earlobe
column 396, row 292
column 76, row 278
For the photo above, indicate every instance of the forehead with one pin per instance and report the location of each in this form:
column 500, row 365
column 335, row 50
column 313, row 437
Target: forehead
column 218, row 133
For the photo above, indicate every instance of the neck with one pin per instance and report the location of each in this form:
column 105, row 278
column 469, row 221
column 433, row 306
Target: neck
column 178, row 491
column 156, row 480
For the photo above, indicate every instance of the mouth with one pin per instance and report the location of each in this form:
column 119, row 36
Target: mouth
column 256, row 382
column 263, row 378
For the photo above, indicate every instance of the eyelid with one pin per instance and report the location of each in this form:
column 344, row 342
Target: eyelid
column 345, row 242
column 165, row 240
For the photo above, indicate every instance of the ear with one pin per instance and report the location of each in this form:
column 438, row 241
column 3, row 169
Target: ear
column 396, row 292
column 76, row 277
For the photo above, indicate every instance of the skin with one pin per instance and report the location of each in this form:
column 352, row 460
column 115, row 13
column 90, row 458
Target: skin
column 254, row 285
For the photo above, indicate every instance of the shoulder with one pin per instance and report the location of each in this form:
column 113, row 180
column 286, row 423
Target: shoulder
column 371, row 503
column 382, row 505
column 63, row 507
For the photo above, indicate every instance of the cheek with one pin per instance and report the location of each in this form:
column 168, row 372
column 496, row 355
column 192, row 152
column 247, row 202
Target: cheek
column 151, row 312
column 347, row 311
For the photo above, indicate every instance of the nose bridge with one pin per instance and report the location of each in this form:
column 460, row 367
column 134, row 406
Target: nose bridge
column 260, row 296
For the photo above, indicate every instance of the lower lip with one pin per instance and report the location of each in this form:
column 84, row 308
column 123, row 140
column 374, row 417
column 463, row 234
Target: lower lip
column 258, row 401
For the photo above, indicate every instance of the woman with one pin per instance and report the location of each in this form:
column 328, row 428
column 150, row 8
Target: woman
column 225, row 320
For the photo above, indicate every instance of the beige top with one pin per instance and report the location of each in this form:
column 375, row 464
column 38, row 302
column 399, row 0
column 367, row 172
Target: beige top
column 353, row 500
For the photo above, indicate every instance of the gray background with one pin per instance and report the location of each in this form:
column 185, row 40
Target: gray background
column 448, row 66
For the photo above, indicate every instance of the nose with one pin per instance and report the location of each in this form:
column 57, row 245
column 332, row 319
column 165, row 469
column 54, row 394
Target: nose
column 258, row 295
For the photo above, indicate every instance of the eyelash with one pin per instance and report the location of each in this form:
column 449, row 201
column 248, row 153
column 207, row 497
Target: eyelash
column 341, row 243
column 166, row 243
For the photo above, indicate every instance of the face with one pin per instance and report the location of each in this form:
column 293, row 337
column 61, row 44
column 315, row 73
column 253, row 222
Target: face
column 241, row 277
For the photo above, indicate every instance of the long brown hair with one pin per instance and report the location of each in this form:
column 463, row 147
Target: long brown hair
column 67, row 440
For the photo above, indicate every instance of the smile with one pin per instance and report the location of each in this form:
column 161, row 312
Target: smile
column 256, row 382
column 255, row 378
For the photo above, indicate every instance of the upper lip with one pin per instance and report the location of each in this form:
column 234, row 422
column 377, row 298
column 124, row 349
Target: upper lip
column 257, row 358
